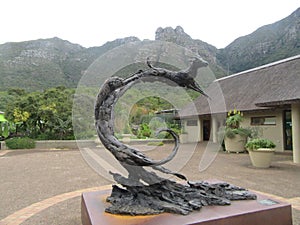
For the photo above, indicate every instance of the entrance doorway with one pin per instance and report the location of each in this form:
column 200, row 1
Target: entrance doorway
column 287, row 130
column 206, row 130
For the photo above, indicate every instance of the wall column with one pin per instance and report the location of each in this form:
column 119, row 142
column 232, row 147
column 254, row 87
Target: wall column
column 214, row 129
column 296, row 132
column 200, row 129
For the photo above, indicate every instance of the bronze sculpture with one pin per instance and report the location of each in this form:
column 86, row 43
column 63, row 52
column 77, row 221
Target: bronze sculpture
column 143, row 191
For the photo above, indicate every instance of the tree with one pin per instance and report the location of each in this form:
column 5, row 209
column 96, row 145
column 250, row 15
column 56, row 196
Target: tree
column 44, row 115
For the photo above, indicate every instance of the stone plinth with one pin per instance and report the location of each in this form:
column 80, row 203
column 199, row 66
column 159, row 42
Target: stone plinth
column 263, row 211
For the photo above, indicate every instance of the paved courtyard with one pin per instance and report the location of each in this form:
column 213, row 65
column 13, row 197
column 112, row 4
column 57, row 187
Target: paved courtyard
column 44, row 186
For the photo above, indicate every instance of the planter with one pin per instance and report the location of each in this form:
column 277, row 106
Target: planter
column 261, row 157
column 235, row 144
column 126, row 138
column 183, row 138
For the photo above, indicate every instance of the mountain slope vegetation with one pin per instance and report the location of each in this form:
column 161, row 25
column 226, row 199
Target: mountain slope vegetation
column 265, row 45
column 45, row 63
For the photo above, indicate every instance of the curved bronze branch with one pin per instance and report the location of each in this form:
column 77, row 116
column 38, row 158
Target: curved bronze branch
column 112, row 89
column 158, row 195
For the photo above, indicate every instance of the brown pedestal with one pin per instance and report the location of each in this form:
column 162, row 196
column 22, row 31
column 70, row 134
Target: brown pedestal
column 263, row 211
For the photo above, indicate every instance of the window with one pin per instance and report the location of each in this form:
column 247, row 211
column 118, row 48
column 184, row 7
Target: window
column 263, row 120
column 191, row 123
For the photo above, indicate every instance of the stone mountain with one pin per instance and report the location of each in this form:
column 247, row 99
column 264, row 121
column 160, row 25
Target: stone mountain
column 40, row 64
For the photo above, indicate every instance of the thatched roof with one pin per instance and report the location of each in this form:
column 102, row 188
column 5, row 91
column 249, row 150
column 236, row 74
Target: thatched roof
column 273, row 84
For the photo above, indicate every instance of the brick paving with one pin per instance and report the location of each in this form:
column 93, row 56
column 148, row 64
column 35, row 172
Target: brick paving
column 25, row 213
column 44, row 187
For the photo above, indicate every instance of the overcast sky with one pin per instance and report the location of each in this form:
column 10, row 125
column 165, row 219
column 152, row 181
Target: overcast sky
column 94, row 22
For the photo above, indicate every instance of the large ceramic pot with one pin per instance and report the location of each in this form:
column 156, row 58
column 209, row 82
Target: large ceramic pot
column 183, row 138
column 261, row 157
column 235, row 144
column 126, row 138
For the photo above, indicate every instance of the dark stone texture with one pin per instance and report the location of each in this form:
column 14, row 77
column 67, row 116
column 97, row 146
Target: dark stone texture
column 172, row 197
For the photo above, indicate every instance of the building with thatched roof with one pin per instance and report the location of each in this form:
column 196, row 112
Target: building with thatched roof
column 268, row 96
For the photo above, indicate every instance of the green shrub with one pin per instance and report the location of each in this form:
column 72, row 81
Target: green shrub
column 259, row 143
column 233, row 122
column 144, row 131
column 230, row 133
column 20, row 143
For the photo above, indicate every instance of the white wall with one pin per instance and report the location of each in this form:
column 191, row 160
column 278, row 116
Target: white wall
column 272, row 132
column 194, row 132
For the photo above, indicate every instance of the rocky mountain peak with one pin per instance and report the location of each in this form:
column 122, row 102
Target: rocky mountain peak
column 176, row 35
column 201, row 48
column 54, row 61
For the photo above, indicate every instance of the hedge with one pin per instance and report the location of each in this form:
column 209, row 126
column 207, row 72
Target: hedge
column 20, row 143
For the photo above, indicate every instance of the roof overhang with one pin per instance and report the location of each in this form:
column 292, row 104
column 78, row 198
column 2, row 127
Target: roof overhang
column 278, row 103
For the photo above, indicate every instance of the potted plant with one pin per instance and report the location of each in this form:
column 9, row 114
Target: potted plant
column 261, row 152
column 183, row 137
column 235, row 136
column 126, row 135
